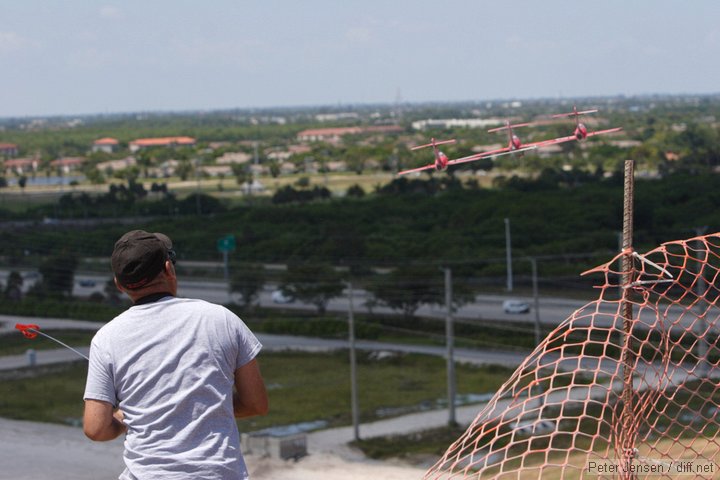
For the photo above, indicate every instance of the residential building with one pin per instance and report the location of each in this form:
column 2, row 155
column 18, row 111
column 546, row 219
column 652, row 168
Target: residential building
column 287, row 168
column 141, row 143
column 21, row 166
column 67, row 164
column 217, row 170
column 233, row 157
column 107, row 145
column 625, row 143
column 456, row 123
column 116, row 165
column 8, row 150
column 331, row 135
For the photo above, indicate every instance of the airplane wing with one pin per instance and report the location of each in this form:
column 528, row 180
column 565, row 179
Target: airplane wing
column 491, row 154
column 554, row 141
column 420, row 169
column 601, row 132
column 478, row 156
column 571, row 138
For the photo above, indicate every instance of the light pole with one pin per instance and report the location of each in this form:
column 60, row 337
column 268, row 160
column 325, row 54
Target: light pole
column 700, row 309
column 536, row 300
column 353, row 365
column 508, row 255
column 450, row 341
column 198, row 206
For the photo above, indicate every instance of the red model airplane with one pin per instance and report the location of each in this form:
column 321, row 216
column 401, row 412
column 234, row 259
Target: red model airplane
column 442, row 161
column 514, row 143
column 581, row 131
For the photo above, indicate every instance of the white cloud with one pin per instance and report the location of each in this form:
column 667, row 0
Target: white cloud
column 111, row 12
column 11, row 42
column 712, row 38
column 359, row 35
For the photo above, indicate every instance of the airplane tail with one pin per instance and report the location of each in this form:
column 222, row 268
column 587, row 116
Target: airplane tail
column 508, row 126
column 575, row 114
column 433, row 144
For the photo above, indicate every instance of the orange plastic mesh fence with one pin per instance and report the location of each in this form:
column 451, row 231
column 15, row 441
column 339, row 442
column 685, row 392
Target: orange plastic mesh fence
column 562, row 415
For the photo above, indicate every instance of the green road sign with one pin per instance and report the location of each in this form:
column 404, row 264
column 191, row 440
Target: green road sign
column 226, row 243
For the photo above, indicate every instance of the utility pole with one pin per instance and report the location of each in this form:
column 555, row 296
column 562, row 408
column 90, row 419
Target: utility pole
column 508, row 255
column 198, row 206
column 536, row 299
column 450, row 341
column 353, row 365
column 700, row 308
column 627, row 435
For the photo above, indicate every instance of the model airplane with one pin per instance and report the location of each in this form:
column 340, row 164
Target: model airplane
column 581, row 131
column 442, row 161
column 514, row 143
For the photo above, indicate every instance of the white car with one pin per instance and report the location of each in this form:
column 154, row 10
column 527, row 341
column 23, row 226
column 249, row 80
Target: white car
column 516, row 306
column 279, row 297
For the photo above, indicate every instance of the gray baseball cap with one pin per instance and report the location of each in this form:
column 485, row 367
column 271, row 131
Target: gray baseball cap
column 139, row 256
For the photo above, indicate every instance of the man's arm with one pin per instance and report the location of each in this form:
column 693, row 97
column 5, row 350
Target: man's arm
column 100, row 423
column 249, row 397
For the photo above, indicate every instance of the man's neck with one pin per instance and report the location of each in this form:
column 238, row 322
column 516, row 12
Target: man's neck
column 153, row 297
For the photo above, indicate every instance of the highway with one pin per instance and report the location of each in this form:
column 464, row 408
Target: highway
column 485, row 307
column 552, row 310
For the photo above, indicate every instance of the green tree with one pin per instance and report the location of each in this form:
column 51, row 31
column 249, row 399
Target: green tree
column 355, row 191
column 274, row 168
column 248, row 280
column 13, row 288
column 242, row 173
column 94, row 176
column 313, row 283
column 58, row 275
column 184, row 169
column 407, row 288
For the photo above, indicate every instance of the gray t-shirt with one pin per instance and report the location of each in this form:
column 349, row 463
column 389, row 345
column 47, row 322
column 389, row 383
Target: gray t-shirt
column 169, row 365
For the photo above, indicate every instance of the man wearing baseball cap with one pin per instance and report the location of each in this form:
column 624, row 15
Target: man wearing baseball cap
column 171, row 373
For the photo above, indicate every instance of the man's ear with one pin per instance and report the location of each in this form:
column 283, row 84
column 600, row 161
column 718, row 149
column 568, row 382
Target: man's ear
column 118, row 286
column 169, row 268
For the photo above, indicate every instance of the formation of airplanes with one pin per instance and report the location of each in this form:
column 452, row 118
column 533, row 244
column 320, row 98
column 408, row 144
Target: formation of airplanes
column 514, row 146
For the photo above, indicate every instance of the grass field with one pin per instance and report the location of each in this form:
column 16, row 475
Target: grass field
column 15, row 344
column 17, row 200
column 302, row 387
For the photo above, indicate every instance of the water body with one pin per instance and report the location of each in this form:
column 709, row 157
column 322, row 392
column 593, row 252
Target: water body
column 52, row 180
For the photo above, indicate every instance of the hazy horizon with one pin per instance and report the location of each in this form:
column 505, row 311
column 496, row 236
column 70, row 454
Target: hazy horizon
column 72, row 57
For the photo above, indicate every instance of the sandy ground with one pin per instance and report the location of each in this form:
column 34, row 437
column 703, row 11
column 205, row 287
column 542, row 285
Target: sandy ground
column 40, row 451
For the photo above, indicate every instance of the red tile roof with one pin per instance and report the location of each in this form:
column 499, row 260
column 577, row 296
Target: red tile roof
column 163, row 141
column 20, row 162
column 67, row 161
column 105, row 141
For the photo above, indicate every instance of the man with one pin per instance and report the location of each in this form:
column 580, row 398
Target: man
column 171, row 373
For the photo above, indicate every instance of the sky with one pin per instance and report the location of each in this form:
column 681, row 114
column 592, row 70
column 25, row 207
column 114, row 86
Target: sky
column 74, row 57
